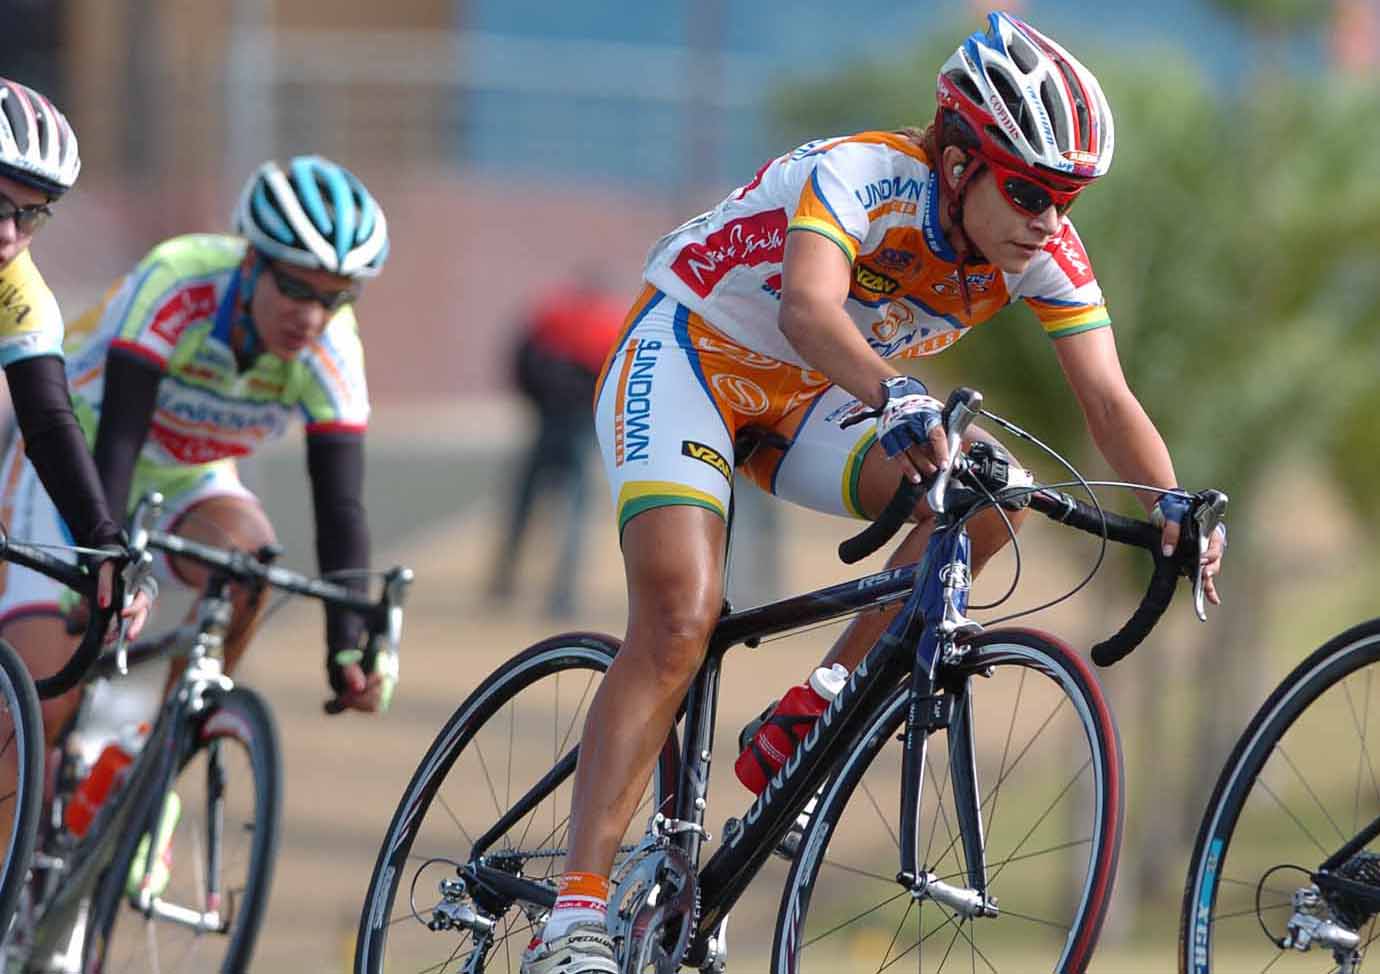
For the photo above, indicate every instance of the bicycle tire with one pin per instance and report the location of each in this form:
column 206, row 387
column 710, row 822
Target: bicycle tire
column 21, row 734
column 1260, row 764
column 243, row 719
column 855, row 902
column 536, row 671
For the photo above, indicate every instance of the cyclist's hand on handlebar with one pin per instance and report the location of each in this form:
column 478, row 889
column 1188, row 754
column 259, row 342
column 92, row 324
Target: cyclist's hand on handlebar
column 360, row 683
column 911, row 428
column 135, row 614
column 1169, row 512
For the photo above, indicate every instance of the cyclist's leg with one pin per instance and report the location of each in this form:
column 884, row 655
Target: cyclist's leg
column 845, row 471
column 217, row 509
column 671, row 505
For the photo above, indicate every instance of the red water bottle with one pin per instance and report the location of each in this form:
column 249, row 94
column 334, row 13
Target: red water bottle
column 780, row 731
column 88, row 797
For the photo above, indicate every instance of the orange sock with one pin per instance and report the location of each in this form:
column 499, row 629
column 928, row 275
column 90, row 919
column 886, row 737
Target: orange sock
column 580, row 898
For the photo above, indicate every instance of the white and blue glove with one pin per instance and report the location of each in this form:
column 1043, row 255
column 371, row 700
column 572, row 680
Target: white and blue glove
column 908, row 416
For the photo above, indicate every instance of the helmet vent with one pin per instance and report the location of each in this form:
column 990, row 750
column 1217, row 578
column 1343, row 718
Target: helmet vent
column 14, row 114
column 1010, row 96
column 1000, row 137
column 1022, row 53
column 965, row 84
column 1050, row 99
column 1080, row 104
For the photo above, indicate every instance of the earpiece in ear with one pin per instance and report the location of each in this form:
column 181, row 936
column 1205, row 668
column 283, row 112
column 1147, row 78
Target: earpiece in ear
column 958, row 170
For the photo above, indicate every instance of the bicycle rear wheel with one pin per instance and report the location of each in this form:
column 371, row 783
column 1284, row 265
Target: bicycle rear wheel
column 220, row 856
column 495, row 752
column 1302, row 781
column 21, row 751
column 1046, row 759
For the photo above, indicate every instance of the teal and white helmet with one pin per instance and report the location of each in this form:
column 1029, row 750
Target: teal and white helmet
column 313, row 213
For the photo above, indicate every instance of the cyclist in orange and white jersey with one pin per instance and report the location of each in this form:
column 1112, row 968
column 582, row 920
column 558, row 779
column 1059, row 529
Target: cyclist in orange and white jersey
column 783, row 308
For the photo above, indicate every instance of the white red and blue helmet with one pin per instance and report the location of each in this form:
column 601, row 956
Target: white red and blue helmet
column 37, row 145
column 1029, row 102
column 313, row 213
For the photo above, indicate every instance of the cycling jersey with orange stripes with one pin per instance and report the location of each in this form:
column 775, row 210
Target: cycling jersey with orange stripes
column 702, row 355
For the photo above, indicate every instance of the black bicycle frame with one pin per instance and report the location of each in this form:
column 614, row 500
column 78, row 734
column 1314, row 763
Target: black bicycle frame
column 910, row 645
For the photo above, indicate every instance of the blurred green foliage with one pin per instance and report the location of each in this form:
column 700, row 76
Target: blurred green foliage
column 1237, row 240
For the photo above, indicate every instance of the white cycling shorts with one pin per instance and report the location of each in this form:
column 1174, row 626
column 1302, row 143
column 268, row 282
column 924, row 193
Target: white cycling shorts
column 673, row 397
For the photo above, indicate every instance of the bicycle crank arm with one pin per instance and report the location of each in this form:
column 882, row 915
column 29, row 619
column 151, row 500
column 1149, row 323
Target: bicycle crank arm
column 212, row 921
column 966, row 902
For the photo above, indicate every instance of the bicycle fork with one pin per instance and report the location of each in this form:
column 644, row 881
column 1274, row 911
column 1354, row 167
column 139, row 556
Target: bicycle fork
column 950, row 711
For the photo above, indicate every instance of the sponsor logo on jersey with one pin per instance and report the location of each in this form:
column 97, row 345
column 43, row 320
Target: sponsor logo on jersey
column 772, row 286
column 10, row 300
column 632, row 422
column 707, row 454
column 742, row 394
column 185, row 306
column 892, row 258
column 265, row 387
column 1071, row 257
column 195, row 449
column 979, row 282
column 854, row 407
column 745, row 242
column 875, row 281
column 896, row 188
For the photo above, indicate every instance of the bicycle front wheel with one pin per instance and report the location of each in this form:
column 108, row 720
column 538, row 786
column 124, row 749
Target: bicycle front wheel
column 1300, row 784
column 212, row 874
column 21, row 756
column 1046, row 761
column 492, row 762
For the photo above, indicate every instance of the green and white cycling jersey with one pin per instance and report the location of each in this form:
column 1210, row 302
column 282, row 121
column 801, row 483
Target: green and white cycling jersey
column 178, row 311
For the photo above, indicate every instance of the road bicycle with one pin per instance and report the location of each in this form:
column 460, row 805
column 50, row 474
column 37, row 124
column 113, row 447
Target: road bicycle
column 990, row 831
column 1285, row 872
column 21, row 721
column 201, row 801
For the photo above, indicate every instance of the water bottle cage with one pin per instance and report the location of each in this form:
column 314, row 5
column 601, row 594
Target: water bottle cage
column 788, row 724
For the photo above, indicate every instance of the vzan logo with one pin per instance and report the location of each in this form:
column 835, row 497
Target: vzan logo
column 708, row 455
column 875, row 281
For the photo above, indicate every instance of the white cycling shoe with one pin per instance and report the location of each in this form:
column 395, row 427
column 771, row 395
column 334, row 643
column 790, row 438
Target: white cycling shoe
column 585, row 949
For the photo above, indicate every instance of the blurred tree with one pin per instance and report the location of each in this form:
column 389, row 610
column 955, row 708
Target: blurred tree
column 1236, row 239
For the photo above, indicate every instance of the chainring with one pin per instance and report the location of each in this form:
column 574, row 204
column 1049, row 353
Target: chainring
column 652, row 911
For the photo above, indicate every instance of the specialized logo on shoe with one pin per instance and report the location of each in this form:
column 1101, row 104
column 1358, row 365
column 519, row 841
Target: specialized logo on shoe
column 707, row 454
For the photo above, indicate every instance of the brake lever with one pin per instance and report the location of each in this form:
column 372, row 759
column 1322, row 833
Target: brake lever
column 1210, row 512
column 965, row 409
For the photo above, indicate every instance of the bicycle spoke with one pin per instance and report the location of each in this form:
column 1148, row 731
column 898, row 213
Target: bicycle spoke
column 454, row 818
column 992, row 878
column 896, row 935
column 1311, row 793
column 852, row 920
column 940, row 811
column 1297, row 821
column 890, row 880
column 1361, row 724
column 1006, row 751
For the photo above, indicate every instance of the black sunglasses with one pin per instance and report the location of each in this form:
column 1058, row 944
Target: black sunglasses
column 1032, row 197
column 295, row 289
column 27, row 219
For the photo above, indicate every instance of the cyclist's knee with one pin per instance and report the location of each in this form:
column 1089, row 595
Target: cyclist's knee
column 44, row 645
column 229, row 521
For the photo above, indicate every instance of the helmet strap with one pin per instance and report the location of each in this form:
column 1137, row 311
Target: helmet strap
column 967, row 253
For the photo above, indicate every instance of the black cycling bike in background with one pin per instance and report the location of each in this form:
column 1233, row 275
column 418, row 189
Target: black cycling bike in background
column 1285, row 873
column 174, row 871
column 21, row 722
column 961, row 800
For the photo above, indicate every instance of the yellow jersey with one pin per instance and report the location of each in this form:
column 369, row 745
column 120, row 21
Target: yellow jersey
column 30, row 322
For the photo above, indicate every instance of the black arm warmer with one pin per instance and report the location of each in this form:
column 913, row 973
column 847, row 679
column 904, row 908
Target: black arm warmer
column 55, row 445
column 335, row 462
column 131, row 392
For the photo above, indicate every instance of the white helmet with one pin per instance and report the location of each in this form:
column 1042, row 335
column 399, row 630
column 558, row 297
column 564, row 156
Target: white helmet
column 1028, row 101
column 313, row 213
column 37, row 146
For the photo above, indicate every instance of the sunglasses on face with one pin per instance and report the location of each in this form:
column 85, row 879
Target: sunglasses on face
column 27, row 219
column 295, row 289
column 1031, row 195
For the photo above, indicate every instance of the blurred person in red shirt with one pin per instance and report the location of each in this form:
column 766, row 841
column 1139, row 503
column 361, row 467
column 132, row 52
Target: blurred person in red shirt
column 566, row 336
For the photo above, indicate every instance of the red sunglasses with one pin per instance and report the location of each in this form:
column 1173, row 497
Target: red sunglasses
column 1031, row 195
